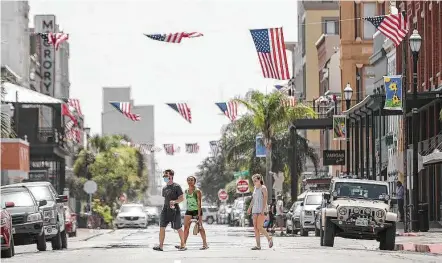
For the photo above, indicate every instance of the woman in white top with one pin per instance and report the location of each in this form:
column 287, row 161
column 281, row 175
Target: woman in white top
column 258, row 207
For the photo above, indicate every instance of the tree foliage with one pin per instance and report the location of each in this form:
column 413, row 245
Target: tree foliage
column 270, row 118
column 115, row 167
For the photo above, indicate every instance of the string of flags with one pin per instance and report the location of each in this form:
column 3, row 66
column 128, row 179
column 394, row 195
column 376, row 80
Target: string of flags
column 125, row 109
column 173, row 37
column 169, row 148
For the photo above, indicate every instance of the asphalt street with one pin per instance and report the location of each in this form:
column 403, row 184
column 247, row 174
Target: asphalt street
column 225, row 244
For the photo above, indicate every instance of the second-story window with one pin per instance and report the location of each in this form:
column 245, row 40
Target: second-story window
column 369, row 10
column 331, row 27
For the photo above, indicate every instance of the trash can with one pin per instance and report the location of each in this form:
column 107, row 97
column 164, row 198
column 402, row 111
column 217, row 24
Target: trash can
column 424, row 222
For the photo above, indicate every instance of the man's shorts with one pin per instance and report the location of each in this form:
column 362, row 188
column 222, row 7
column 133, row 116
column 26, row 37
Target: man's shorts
column 279, row 220
column 170, row 216
column 193, row 214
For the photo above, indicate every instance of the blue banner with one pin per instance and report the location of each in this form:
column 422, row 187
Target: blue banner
column 393, row 92
column 260, row 147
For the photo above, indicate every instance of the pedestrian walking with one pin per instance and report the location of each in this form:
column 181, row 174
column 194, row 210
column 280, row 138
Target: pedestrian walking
column 173, row 195
column 272, row 214
column 257, row 208
column 400, row 192
column 194, row 211
column 279, row 215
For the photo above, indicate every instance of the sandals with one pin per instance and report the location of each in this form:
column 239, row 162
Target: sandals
column 204, row 248
column 256, row 248
column 157, row 248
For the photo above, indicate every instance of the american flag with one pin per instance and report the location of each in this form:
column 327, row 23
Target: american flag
column 169, row 148
column 289, row 101
column 270, row 46
column 182, row 109
column 174, row 37
column 230, row 109
column 65, row 111
column 75, row 103
column 394, row 27
column 192, row 148
column 54, row 39
column 125, row 109
column 214, row 147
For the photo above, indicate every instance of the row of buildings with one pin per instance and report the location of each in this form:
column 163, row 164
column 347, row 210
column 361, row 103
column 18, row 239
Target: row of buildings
column 35, row 83
column 336, row 47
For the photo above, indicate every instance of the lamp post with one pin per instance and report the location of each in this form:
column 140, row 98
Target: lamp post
column 348, row 93
column 415, row 45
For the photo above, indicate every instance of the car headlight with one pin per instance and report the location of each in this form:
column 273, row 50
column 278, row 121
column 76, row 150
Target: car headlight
column 380, row 213
column 342, row 211
column 142, row 218
column 356, row 210
column 34, row 217
column 3, row 221
column 49, row 214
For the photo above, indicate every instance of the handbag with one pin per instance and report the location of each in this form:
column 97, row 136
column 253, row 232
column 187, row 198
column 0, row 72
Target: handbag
column 196, row 229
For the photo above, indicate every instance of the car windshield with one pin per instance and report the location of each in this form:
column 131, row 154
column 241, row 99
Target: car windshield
column 313, row 200
column 131, row 208
column 361, row 190
column 22, row 199
column 41, row 193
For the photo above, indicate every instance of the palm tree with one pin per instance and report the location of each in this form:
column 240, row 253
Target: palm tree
column 269, row 116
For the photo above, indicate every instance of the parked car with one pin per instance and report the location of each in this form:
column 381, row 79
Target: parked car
column 209, row 214
column 71, row 224
column 131, row 215
column 312, row 201
column 53, row 212
column 7, row 231
column 152, row 214
column 27, row 218
column 290, row 226
column 237, row 210
column 222, row 215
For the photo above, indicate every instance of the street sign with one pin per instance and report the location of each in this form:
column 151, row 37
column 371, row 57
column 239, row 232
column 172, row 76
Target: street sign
column 242, row 186
column 222, row 195
column 90, row 187
column 242, row 173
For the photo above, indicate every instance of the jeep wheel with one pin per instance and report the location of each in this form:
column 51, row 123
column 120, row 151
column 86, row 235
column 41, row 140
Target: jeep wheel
column 317, row 233
column 41, row 242
column 303, row 233
column 56, row 241
column 210, row 220
column 9, row 253
column 64, row 239
column 329, row 233
column 387, row 238
column 321, row 237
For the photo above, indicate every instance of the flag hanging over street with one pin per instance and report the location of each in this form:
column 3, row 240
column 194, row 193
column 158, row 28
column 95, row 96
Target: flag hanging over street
column 290, row 101
column 192, row 148
column 125, row 109
column 75, row 103
column 174, row 37
column 54, row 39
column 65, row 111
column 394, row 27
column 270, row 46
column 169, row 149
column 214, row 147
column 182, row 109
column 230, row 109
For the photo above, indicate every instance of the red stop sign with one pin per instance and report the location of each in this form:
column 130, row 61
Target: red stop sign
column 222, row 195
column 242, row 186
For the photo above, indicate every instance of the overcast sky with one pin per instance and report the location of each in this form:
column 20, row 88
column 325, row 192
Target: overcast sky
column 108, row 48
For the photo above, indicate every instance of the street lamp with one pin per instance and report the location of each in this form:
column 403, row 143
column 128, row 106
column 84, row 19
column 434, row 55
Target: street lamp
column 348, row 93
column 415, row 46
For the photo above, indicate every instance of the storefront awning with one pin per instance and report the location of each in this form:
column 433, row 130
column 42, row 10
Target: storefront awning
column 15, row 93
column 433, row 158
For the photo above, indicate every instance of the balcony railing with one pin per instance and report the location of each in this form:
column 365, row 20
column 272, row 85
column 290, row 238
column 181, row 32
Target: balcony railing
column 47, row 136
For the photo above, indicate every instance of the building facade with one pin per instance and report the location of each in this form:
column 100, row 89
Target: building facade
column 140, row 132
column 315, row 18
column 15, row 38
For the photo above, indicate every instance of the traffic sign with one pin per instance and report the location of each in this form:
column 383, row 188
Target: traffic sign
column 90, row 187
column 242, row 173
column 222, row 195
column 242, row 186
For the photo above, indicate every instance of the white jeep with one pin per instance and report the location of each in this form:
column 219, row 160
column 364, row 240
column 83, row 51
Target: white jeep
column 358, row 209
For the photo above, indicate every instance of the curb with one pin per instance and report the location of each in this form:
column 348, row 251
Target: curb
column 97, row 234
column 422, row 248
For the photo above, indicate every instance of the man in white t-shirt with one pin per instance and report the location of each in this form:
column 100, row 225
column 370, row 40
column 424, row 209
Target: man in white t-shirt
column 280, row 214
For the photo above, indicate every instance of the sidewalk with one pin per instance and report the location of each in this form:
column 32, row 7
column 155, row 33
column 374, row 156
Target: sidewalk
column 84, row 234
column 425, row 242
